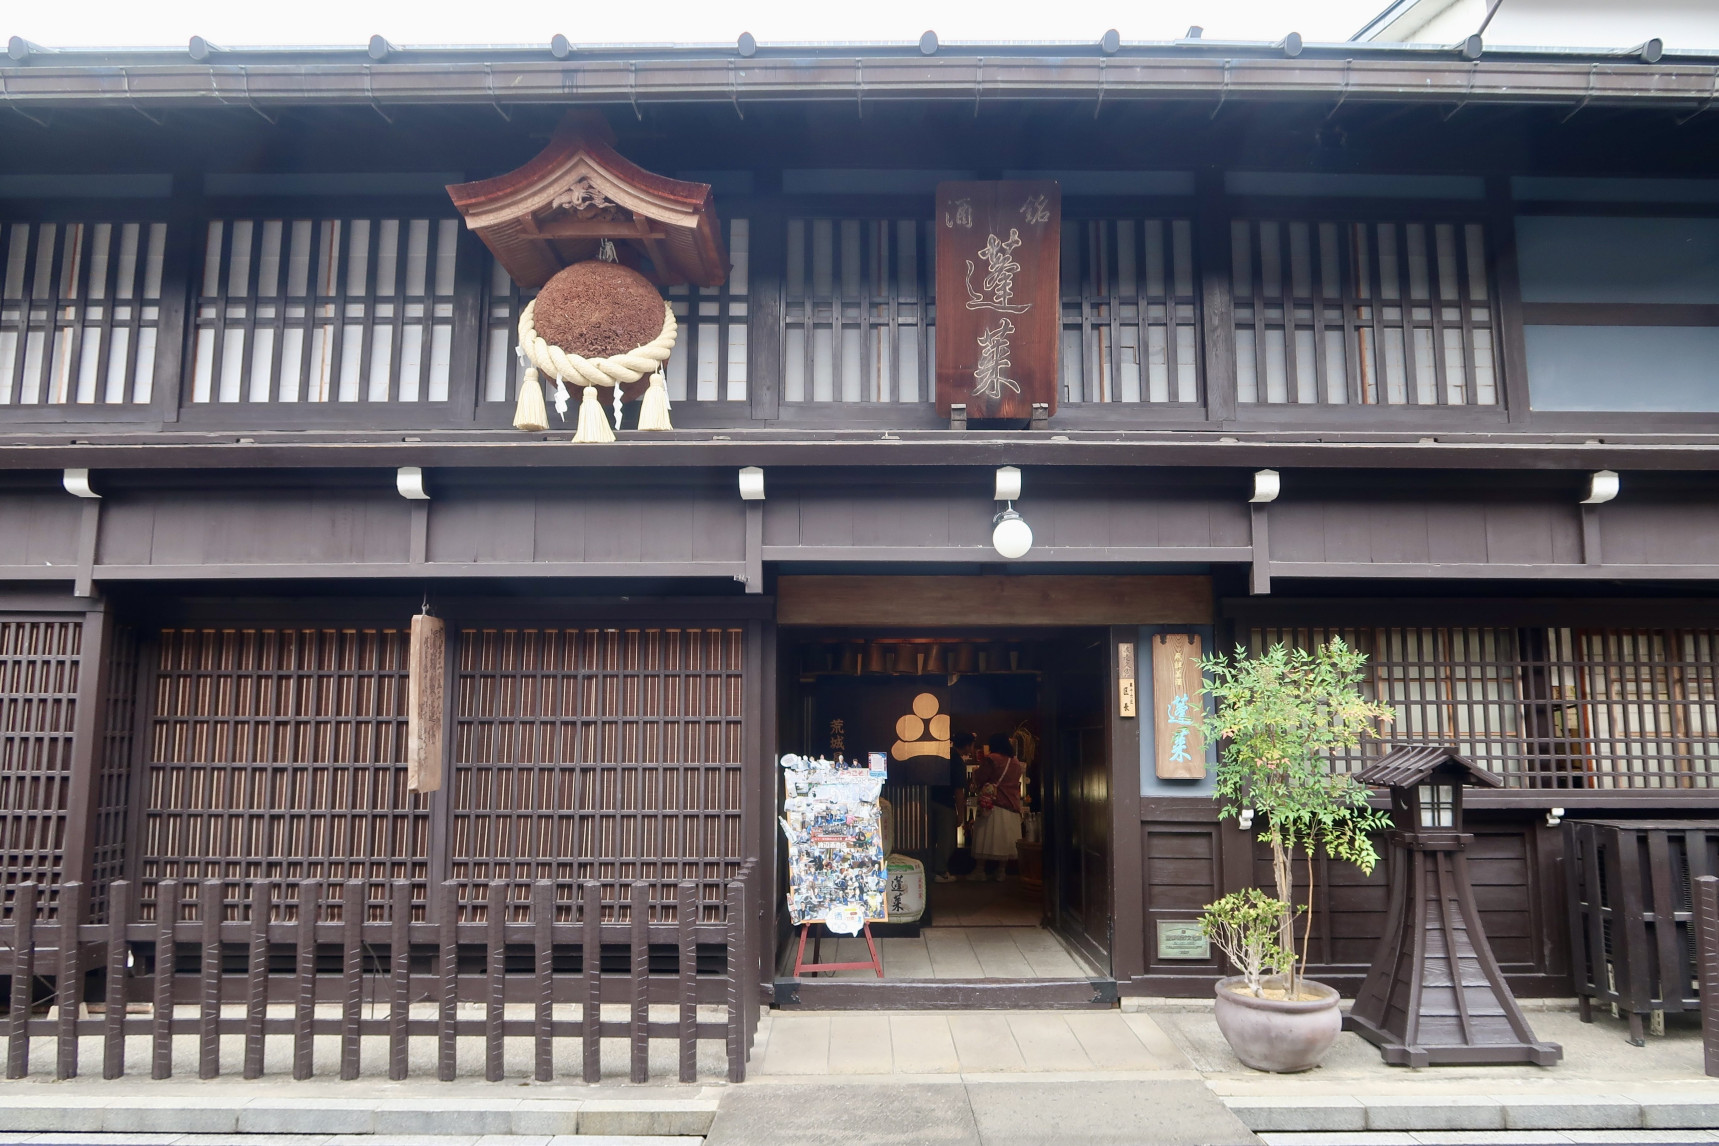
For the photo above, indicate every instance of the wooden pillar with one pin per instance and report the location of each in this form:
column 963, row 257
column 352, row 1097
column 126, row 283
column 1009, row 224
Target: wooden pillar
column 88, row 727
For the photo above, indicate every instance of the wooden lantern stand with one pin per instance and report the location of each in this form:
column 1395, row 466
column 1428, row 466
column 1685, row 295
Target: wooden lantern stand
column 1435, row 993
column 800, row 964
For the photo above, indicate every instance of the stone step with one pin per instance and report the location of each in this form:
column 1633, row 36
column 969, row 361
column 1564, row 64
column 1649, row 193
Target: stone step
column 1476, row 1112
column 274, row 1113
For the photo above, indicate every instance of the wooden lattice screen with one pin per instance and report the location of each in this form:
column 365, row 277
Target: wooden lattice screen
column 39, row 663
column 599, row 754
column 279, row 754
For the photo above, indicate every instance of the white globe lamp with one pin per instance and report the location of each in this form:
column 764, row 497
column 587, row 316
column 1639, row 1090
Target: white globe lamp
column 1012, row 537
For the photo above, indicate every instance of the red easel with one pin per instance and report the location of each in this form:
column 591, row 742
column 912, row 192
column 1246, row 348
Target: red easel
column 801, row 965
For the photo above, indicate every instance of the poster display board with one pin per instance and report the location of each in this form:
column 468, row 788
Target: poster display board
column 830, row 817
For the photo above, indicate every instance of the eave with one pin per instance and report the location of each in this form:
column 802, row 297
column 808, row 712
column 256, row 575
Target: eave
column 1350, row 73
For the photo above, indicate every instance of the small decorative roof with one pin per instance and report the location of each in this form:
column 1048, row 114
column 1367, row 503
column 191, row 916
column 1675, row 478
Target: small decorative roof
column 1409, row 764
column 578, row 191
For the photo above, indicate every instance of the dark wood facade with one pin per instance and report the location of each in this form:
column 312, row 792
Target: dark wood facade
column 241, row 326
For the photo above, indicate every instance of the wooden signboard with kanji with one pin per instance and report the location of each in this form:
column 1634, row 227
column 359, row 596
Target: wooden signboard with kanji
column 1177, row 706
column 998, row 307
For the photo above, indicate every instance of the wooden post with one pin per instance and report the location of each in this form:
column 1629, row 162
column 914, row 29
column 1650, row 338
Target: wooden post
column 400, row 977
column 118, row 978
column 426, row 665
column 495, row 911
column 543, row 937
column 591, row 1029
column 1707, row 966
column 354, row 906
column 161, row 1023
column 69, row 980
column 640, row 1033
column 448, row 970
column 211, row 904
column 686, row 917
column 304, row 1009
column 23, row 980
column 257, row 980
column 87, row 720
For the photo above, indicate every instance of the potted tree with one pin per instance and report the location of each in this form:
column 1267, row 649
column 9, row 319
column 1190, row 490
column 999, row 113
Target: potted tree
column 1279, row 716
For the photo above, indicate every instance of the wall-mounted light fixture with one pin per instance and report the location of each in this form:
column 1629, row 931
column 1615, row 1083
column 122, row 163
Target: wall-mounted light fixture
column 751, row 484
column 409, row 480
column 1267, row 484
column 1602, row 487
column 77, row 483
column 1011, row 536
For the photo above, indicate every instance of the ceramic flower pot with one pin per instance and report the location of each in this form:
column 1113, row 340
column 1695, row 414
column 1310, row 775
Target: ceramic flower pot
column 1280, row 1036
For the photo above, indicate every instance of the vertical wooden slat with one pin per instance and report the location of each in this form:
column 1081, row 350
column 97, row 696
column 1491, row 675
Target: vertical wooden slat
column 69, row 981
column 211, row 904
column 161, row 1023
column 23, row 980
column 353, row 908
column 400, row 977
column 639, row 1030
column 543, row 935
column 118, row 978
column 591, row 970
column 495, row 912
column 448, row 988
column 737, row 970
column 686, row 917
column 304, row 1009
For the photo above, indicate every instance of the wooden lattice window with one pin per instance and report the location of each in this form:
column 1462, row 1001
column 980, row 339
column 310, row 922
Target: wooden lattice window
column 278, row 754
column 709, row 363
column 39, row 667
column 608, row 754
column 1375, row 313
column 858, row 310
column 325, row 310
column 1546, row 708
column 80, row 304
column 1130, row 325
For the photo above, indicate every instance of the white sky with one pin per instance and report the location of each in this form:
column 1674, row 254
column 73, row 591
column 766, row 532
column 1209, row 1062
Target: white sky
column 238, row 23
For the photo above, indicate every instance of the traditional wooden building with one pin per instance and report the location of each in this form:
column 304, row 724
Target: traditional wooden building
column 1376, row 341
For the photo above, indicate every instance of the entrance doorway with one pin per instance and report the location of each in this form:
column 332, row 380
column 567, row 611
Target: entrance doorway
column 1040, row 924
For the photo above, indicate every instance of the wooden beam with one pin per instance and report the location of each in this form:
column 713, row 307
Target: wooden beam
column 963, row 601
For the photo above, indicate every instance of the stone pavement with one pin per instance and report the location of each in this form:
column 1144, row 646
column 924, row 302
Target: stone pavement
column 1157, row 1072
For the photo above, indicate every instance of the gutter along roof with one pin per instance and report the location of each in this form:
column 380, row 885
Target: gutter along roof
column 1191, row 69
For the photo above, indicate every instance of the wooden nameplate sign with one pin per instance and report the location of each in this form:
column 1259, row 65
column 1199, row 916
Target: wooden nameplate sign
column 999, row 248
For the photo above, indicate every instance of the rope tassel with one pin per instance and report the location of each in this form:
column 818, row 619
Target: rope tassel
column 530, row 415
column 654, row 410
column 593, row 427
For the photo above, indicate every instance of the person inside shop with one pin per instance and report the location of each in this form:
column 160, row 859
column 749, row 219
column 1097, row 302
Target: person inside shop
column 996, row 786
column 946, row 801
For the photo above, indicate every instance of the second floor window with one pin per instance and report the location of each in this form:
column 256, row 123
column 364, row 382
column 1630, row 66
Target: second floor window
column 325, row 310
column 79, row 308
column 1129, row 326
column 1375, row 313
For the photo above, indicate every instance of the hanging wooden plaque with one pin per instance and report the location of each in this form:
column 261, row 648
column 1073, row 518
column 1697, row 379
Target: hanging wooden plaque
column 424, row 711
column 998, row 308
column 1177, row 706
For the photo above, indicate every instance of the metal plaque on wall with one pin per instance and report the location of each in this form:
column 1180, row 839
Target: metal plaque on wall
column 998, row 308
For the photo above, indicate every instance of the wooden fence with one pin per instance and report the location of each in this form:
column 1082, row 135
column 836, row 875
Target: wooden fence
column 551, row 947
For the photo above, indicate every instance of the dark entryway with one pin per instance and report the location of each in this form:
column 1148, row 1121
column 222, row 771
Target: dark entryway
column 908, row 694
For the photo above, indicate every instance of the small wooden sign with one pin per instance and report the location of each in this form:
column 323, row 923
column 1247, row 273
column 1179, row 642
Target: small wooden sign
column 1182, row 939
column 1178, row 706
column 999, row 248
column 424, row 711
column 1127, row 704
